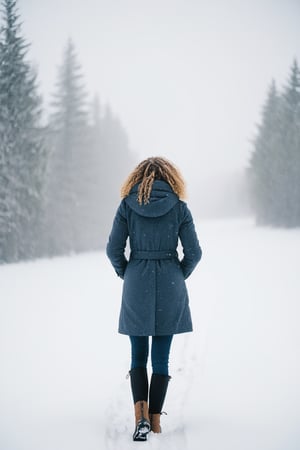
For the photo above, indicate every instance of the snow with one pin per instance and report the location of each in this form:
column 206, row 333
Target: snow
column 235, row 379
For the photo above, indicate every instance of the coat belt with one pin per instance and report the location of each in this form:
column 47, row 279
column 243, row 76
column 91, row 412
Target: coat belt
column 160, row 254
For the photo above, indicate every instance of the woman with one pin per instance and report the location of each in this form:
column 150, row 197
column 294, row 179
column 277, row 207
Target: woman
column 155, row 299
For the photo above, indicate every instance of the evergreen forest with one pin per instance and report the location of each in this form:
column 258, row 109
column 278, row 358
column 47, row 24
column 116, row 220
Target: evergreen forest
column 60, row 168
column 274, row 168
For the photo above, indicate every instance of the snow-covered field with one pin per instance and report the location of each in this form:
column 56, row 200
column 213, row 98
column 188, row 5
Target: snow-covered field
column 235, row 379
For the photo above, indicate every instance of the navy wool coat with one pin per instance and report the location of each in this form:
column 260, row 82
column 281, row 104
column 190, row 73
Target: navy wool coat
column 155, row 299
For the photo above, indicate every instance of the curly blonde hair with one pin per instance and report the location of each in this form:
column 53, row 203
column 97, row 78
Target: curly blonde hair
column 154, row 168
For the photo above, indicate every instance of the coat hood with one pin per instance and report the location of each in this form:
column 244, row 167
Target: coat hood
column 162, row 200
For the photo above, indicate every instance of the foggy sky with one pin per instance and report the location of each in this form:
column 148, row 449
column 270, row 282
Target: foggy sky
column 186, row 77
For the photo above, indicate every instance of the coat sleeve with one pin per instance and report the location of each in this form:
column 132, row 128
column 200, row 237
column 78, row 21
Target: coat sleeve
column 115, row 248
column 191, row 249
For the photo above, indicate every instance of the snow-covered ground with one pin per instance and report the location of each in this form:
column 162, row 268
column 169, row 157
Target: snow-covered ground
column 235, row 379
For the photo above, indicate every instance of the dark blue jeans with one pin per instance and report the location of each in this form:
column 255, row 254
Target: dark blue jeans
column 160, row 350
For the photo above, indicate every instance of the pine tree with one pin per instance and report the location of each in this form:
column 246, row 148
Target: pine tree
column 290, row 144
column 99, row 172
column 112, row 160
column 69, row 140
column 265, row 160
column 22, row 153
column 119, row 159
column 116, row 148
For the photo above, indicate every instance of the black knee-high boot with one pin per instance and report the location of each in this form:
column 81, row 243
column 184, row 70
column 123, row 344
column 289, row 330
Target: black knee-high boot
column 139, row 387
column 158, row 389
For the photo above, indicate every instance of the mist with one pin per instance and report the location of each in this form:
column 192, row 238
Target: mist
column 187, row 79
column 115, row 82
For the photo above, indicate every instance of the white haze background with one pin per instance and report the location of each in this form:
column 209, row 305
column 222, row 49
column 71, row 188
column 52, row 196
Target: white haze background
column 187, row 78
